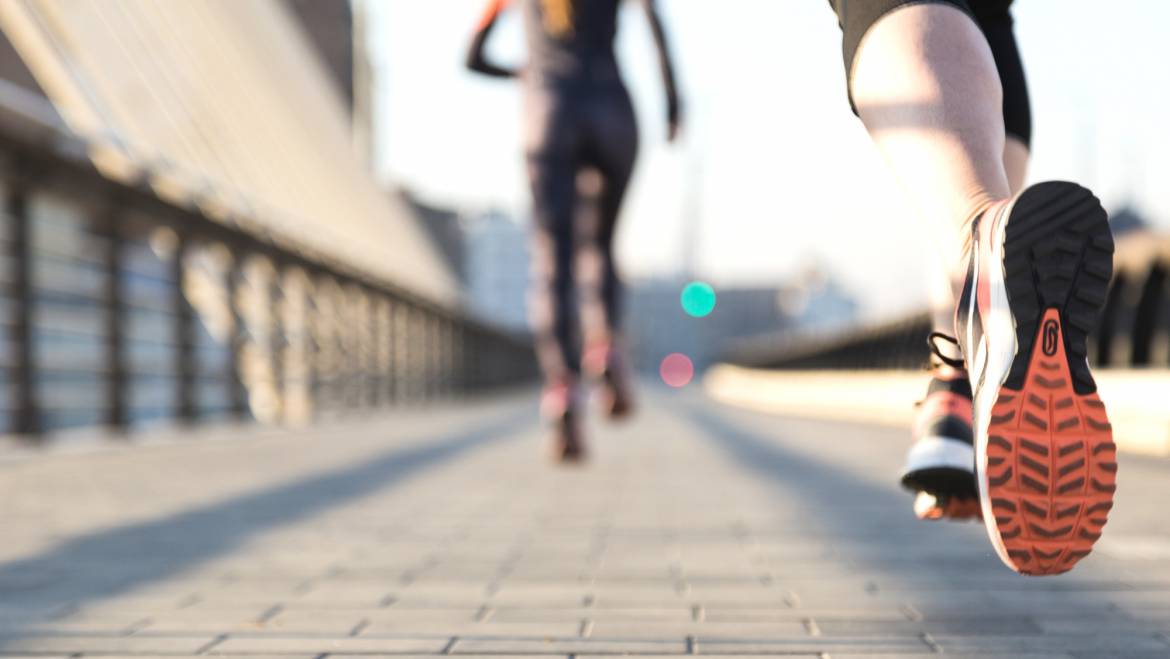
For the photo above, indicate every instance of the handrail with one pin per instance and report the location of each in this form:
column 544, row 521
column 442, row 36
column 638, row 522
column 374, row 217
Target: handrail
column 193, row 311
column 1134, row 330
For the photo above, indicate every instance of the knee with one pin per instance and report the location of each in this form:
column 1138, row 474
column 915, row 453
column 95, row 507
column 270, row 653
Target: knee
column 552, row 259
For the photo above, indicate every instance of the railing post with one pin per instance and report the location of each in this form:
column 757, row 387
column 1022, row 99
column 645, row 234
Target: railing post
column 338, row 351
column 416, row 353
column 372, row 358
column 471, row 359
column 357, row 328
column 447, row 355
column 184, row 334
column 113, row 307
column 312, row 343
column 458, row 365
column 354, row 331
column 26, row 407
column 385, row 350
column 438, row 377
column 409, row 353
column 398, row 351
column 1147, row 316
column 391, row 338
column 276, row 339
column 430, row 355
column 439, row 358
column 238, row 393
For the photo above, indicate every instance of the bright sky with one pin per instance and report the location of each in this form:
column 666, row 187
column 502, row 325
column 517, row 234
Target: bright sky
column 774, row 166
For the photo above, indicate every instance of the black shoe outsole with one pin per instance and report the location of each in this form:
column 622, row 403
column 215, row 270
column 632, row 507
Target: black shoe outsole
column 1058, row 255
column 943, row 481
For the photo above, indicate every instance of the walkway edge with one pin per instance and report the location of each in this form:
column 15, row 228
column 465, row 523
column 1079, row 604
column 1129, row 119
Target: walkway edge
column 1136, row 399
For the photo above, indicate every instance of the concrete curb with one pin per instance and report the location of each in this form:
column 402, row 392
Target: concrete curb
column 1138, row 401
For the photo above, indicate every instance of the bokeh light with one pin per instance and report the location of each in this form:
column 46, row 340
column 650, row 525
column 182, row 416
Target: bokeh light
column 698, row 299
column 677, row 370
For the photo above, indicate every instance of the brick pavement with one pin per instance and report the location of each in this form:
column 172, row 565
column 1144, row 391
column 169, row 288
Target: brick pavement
column 697, row 530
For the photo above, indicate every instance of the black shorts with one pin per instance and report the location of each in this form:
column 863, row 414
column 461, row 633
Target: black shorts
column 993, row 17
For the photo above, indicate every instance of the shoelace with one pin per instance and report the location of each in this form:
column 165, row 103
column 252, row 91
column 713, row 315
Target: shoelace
column 937, row 352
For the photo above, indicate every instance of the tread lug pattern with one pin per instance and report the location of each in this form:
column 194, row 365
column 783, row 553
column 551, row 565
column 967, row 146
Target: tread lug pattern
column 1051, row 462
column 1051, row 484
column 1058, row 254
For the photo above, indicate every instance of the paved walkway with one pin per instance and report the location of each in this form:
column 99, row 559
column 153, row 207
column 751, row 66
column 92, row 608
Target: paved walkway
column 697, row 530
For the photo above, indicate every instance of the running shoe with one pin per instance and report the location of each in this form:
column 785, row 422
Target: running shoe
column 559, row 407
column 1045, row 460
column 940, row 467
column 615, row 392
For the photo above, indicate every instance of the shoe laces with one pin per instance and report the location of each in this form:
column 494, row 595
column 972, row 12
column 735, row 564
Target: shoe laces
column 933, row 340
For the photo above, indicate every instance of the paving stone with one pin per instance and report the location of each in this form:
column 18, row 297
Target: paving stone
column 467, row 656
column 910, row 645
column 104, row 644
column 1100, row 642
column 723, row 630
column 57, row 627
column 749, row 534
column 330, row 645
column 566, row 646
column 212, row 653
column 396, row 614
column 680, row 614
column 778, row 614
column 736, row 656
column 1075, row 626
column 971, row 626
column 1029, row 655
column 504, row 629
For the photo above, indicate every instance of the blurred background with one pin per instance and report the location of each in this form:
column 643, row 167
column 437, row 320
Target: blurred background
column 280, row 209
column 775, row 196
column 301, row 227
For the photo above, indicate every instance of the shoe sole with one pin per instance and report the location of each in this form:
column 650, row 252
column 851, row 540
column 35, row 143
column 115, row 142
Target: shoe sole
column 942, row 481
column 1046, row 462
column 566, row 446
column 616, row 406
column 941, row 466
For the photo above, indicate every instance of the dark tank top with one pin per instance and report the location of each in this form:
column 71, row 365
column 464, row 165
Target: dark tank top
column 571, row 40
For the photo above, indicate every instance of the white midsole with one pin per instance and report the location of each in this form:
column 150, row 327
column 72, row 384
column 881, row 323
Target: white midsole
column 936, row 452
column 998, row 349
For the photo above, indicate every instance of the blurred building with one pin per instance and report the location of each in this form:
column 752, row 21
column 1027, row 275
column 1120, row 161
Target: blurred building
column 444, row 227
column 169, row 171
column 815, row 302
column 1127, row 220
column 337, row 31
column 329, row 26
column 497, row 268
column 656, row 324
column 488, row 250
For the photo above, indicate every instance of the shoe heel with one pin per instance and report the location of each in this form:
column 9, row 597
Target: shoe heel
column 1051, row 461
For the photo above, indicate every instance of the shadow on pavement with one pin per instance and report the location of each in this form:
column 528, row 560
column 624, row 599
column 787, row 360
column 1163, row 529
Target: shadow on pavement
column 79, row 569
column 944, row 571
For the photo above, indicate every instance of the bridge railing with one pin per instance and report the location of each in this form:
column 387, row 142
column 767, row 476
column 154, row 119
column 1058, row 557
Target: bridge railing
column 123, row 305
column 1134, row 331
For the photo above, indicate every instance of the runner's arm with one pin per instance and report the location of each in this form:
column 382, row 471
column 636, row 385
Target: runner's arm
column 673, row 105
column 476, row 60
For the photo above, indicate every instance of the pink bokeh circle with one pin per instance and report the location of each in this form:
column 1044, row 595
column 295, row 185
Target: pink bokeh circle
column 677, row 370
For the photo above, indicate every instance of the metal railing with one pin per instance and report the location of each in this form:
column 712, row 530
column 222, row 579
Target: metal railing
column 121, row 308
column 1134, row 331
